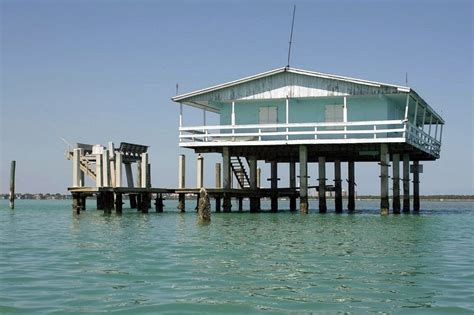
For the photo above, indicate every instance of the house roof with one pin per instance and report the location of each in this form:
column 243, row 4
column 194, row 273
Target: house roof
column 201, row 98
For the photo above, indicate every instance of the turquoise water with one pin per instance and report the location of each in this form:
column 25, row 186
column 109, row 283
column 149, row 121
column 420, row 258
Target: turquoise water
column 52, row 261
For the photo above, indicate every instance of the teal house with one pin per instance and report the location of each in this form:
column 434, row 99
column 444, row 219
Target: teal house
column 290, row 115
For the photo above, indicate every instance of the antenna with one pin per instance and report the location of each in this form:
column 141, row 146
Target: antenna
column 177, row 88
column 291, row 36
column 406, row 78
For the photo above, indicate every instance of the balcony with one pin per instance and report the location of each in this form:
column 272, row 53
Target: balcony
column 384, row 131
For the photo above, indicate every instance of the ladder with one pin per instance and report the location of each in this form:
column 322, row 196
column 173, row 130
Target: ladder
column 240, row 171
column 85, row 166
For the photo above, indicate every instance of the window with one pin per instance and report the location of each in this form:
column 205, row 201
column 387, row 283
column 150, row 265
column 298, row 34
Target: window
column 334, row 113
column 268, row 115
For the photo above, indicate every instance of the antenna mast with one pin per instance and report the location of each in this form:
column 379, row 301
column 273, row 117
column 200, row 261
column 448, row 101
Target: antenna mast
column 291, row 36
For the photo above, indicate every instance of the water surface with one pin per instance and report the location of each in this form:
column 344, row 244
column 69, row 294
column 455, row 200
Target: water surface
column 52, row 261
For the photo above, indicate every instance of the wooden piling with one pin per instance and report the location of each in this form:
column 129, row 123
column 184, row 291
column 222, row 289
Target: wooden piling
column 76, row 206
column 338, row 186
column 416, row 186
column 241, row 201
column 322, row 184
column 253, row 183
column 274, row 185
column 292, row 184
column 181, row 202
column 218, row 175
column 12, row 184
column 351, row 184
column 396, row 183
column 303, row 155
column 118, row 202
column 384, row 163
column 218, row 204
column 227, row 205
column 406, row 183
column 159, row 203
column 100, row 201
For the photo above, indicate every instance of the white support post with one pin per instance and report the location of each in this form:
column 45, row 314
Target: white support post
column 441, row 134
column 287, row 117
column 416, row 114
column 204, row 117
column 406, row 116
column 105, row 168
column 431, row 122
column 407, row 104
column 200, row 172
column 144, row 173
column 436, row 131
column 76, row 168
column 233, row 113
column 344, row 114
column 423, row 121
column 98, row 170
column 118, row 170
column 233, row 118
column 182, row 171
column 112, row 163
column 180, row 114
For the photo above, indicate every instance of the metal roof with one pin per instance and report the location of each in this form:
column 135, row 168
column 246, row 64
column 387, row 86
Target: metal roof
column 182, row 97
column 186, row 97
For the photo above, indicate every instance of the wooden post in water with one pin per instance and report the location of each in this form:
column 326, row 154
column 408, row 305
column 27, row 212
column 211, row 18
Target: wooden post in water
column 12, row 184
column 384, row 163
column 274, row 185
column 338, row 186
column 406, row 183
column 292, row 185
column 322, row 184
column 351, row 184
column 303, row 154
column 253, row 183
column 181, row 202
column 118, row 201
column 227, row 205
column 218, row 175
column 416, row 186
column 159, row 203
column 396, row 183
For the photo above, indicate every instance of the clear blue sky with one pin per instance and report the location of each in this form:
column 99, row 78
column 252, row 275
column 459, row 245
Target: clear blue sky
column 98, row 71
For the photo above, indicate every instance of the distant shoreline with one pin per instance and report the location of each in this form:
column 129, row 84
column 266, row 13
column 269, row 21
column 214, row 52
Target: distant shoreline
column 57, row 196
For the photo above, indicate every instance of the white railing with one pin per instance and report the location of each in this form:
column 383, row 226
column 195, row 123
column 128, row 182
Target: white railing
column 334, row 132
column 294, row 131
column 417, row 137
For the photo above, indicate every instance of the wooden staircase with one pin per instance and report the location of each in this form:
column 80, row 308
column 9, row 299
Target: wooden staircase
column 240, row 171
column 85, row 165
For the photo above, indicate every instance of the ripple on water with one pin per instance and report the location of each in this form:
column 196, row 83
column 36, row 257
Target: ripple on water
column 53, row 261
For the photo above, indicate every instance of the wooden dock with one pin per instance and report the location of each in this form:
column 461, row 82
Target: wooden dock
column 111, row 198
